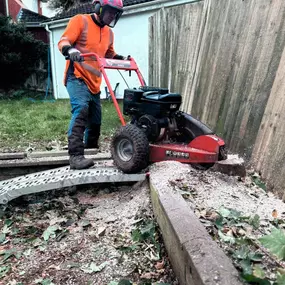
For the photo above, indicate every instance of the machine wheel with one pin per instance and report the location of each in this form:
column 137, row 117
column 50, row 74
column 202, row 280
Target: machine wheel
column 130, row 149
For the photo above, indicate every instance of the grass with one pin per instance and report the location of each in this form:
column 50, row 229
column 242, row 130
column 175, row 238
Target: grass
column 25, row 123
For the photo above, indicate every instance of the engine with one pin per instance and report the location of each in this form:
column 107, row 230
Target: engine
column 157, row 102
column 152, row 109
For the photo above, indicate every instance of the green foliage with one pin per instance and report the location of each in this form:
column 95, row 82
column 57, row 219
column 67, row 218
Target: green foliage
column 144, row 232
column 65, row 4
column 20, row 54
column 275, row 243
column 24, row 122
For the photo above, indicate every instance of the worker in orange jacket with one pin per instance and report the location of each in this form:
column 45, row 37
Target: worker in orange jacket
column 87, row 33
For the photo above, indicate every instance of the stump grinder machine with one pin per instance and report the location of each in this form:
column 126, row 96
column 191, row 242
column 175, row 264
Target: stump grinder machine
column 157, row 130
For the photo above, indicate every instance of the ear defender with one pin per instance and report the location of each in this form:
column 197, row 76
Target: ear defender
column 97, row 9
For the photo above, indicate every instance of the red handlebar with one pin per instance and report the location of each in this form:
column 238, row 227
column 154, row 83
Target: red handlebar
column 106, row 63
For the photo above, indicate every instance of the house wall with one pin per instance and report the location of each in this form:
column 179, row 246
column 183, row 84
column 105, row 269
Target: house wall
column 39, row 34
column 14, row 8
column 32, row 5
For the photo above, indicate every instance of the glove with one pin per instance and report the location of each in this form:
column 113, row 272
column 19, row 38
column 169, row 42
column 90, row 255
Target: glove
column 74, row 54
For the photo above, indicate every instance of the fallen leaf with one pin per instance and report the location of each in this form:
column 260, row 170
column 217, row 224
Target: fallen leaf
column 241, row 253
column 275, row 243
column 50, row 231
column 258, row 271
column 2, row 237
column 203, row 214
column 255, row 280
column 234, row 231
column 57, row 220
column 53, row 266
column 255, row 221
column 274, row 214
column 212, row 216
column 147, row 275
column 101, row 231
column 241, row 232
column 4, row 270
column 84, row 223
column 94, row 268
column 230, row 233
column 27, row 252
column 226, row 238
column 246, row 267
column 125, row 282
column 159, row 265
column 281, row 270
column 280, row 279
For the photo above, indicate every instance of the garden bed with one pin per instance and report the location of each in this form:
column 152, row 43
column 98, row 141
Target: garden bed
column 244, row 220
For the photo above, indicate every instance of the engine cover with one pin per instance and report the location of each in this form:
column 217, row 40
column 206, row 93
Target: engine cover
column 157, row 102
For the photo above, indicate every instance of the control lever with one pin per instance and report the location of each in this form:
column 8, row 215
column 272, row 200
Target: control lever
column 130, row 72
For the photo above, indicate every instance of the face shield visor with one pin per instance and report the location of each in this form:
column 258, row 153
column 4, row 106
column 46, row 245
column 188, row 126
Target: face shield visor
column 110, row 15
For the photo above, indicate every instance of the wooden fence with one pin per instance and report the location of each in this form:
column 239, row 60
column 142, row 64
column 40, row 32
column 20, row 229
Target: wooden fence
column 227, row 59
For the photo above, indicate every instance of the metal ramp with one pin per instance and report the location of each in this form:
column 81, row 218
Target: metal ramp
column 58, row 178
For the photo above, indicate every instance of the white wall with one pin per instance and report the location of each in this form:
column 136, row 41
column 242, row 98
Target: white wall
column 131, row 38
column 46, row 11
column 33, row 6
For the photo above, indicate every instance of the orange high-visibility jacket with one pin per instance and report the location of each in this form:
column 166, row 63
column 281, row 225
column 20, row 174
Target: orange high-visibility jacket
column 85, row 35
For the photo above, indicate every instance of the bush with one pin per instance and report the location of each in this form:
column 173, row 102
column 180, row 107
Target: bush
column 20, row 53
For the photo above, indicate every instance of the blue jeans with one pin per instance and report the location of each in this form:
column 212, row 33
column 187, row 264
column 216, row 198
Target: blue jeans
column 86, row 116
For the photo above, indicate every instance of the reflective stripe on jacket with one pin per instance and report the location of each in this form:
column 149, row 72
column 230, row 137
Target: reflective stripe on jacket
column 83, row 34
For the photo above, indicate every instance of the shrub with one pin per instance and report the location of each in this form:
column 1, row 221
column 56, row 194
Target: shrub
column 20, row 53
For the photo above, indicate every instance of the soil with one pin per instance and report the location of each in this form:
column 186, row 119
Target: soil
column 86, row 235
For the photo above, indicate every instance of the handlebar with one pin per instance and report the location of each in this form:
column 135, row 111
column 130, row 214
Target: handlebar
column 108, row 63
column 97, row 58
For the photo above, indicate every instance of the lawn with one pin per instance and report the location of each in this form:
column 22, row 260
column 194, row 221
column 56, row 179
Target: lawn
column 29, row 123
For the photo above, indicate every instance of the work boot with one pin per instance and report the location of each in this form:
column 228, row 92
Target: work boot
column 80, row 162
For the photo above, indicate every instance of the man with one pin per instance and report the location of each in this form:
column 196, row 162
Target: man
column 83, row 34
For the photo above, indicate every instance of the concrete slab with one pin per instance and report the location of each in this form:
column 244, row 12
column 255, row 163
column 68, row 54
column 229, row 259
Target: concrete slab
column 196, row 259
column 9, row 156
column 52, row 153
column 47, row 160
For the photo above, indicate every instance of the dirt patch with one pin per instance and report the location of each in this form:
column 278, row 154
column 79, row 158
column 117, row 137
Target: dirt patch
column 89, row 235
column 246, row 221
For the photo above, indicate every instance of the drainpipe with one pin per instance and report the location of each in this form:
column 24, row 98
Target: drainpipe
column 51, row 45
column 7, row 8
